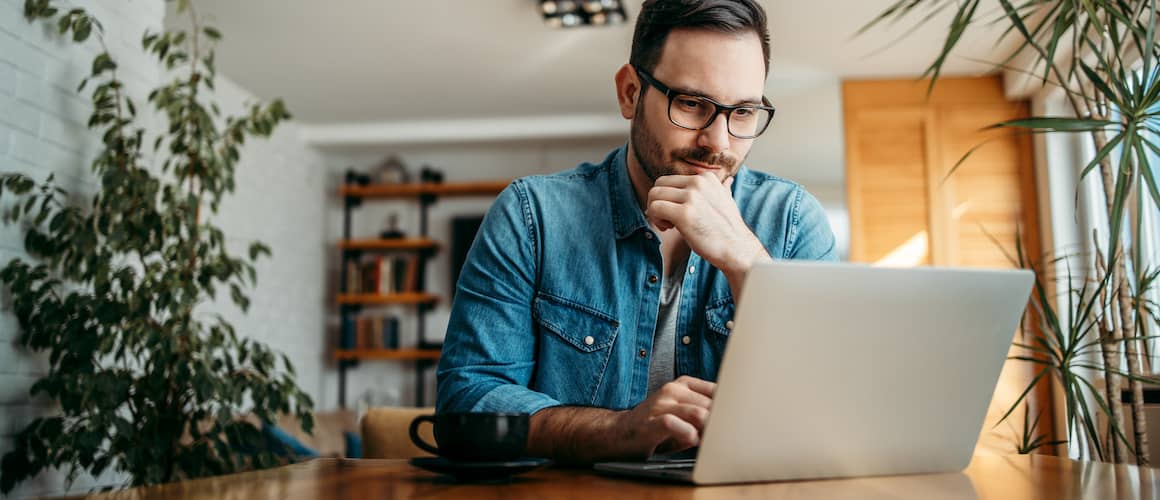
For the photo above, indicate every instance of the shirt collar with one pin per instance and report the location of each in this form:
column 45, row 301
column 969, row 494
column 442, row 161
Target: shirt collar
column 627, row 216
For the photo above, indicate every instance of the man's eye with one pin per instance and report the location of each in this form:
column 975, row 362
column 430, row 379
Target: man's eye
column 744, row 112
column 690, row 103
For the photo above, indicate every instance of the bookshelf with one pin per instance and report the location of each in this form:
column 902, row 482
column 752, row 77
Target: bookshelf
column 404, row 298
column 418, row 249
column 491, row 188
column 426, row 244
column 389, row 354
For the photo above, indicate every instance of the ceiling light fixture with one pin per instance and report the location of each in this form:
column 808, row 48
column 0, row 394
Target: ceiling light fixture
column 572, row 13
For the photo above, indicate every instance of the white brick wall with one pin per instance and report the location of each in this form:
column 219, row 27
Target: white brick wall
column 279, row 199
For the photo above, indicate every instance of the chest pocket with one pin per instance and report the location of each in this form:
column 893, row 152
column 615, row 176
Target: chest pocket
column 575, row 345
column 718, row 316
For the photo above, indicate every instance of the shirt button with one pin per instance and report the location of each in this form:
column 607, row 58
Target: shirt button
column 652, row 279
column 643, row 353
column 589, row 340
column 648, row 235
column 729, row 324
column 691, row 269
column 686, row 340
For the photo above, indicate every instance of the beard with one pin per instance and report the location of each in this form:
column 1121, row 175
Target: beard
column 656, row 163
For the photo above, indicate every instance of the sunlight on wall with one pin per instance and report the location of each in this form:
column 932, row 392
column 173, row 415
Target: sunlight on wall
column 909, row 254
column 914, row 251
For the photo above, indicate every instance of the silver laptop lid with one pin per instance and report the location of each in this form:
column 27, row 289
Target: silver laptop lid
column 840, row 370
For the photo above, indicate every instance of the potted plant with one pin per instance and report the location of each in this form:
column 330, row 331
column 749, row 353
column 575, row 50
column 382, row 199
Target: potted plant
column 146, row 382
column 1102, row 54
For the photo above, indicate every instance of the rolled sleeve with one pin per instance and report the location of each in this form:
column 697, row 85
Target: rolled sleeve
column 513, row 399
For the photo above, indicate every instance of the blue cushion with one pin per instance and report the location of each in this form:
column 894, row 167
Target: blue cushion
column 289, row 446
column 353, row 444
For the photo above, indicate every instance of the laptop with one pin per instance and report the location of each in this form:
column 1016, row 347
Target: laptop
column 847, row 370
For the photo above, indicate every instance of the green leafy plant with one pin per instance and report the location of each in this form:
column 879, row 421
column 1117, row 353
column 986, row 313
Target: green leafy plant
column 146, row 383
column 1102, row 54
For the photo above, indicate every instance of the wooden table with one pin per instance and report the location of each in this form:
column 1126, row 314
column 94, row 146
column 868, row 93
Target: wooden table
column 988, row 477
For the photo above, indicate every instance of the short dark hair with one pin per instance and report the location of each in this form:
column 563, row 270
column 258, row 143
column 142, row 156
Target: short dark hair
column 660, row 17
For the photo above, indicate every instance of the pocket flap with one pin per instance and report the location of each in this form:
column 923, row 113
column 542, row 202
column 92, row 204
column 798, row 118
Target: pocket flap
column 586, row 329
column 718, row 314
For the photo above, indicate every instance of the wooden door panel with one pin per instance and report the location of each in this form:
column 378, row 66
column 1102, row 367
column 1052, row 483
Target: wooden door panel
column 986, row 190
column 890, row 197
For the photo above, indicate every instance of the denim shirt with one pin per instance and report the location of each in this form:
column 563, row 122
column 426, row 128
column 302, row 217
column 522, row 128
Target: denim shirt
column 557, row 301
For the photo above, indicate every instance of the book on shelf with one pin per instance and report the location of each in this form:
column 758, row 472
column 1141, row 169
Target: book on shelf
column 411, row 275
column 382, row 275
column 353, row 281
column 373, row 332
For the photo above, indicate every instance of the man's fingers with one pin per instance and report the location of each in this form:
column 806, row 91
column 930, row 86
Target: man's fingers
column 681, row 181
column 695, row 398
column 678, row 391
column 681, row 434
column 699, row 386
column 668, row 193
column 662, row 210
column 694, row 415
column 675, row 181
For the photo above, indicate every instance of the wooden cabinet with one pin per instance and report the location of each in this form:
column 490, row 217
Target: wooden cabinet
column 423, row 246
column 905, row 210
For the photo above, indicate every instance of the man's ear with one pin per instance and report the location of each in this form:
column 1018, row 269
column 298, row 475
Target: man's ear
column 627, row 90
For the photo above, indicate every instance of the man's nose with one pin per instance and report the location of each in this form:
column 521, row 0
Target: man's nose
column 715, row 137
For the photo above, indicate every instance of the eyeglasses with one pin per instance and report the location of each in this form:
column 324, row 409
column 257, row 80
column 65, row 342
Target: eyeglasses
column 695, row 112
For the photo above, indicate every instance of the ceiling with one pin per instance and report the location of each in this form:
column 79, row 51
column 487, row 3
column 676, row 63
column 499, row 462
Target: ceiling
column 393, row 60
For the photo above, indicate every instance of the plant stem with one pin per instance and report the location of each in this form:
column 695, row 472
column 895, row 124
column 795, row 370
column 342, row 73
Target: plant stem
column 1126, row 324
column 1116, row 449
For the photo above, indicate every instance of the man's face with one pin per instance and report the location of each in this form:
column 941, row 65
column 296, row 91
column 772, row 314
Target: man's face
column 728, row 68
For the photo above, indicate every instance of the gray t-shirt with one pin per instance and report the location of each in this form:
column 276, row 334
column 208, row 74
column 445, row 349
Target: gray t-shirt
column 663, row 364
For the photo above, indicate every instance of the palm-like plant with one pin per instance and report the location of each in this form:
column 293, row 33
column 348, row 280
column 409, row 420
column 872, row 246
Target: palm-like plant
column 1103, row 54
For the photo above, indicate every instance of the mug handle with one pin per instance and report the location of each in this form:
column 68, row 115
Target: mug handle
column 415, row 434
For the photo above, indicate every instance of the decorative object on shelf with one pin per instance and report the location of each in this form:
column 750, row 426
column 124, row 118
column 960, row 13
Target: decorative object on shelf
column 356, row 178
column 393, row 171
column 392, row 231
column 573, row 13
column 145, row 382
column 430, row 175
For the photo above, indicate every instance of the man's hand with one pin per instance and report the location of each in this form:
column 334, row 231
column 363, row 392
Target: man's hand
column 702, row 209
column 670, row 420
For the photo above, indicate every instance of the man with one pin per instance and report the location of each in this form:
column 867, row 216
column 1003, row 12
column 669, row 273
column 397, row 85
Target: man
column 600, row 299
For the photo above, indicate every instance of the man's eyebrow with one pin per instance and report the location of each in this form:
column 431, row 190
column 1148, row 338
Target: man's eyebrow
column 752, row 101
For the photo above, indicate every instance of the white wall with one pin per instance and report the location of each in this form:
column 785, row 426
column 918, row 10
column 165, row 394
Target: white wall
column 278, row 200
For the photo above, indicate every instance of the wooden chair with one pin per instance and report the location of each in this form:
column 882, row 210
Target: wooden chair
column 385, row 432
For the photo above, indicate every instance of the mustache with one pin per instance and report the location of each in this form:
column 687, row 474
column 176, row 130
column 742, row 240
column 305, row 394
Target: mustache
column 702, row 155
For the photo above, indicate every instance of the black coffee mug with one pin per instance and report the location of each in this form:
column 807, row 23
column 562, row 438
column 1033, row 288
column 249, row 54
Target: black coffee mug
column 481, row 437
